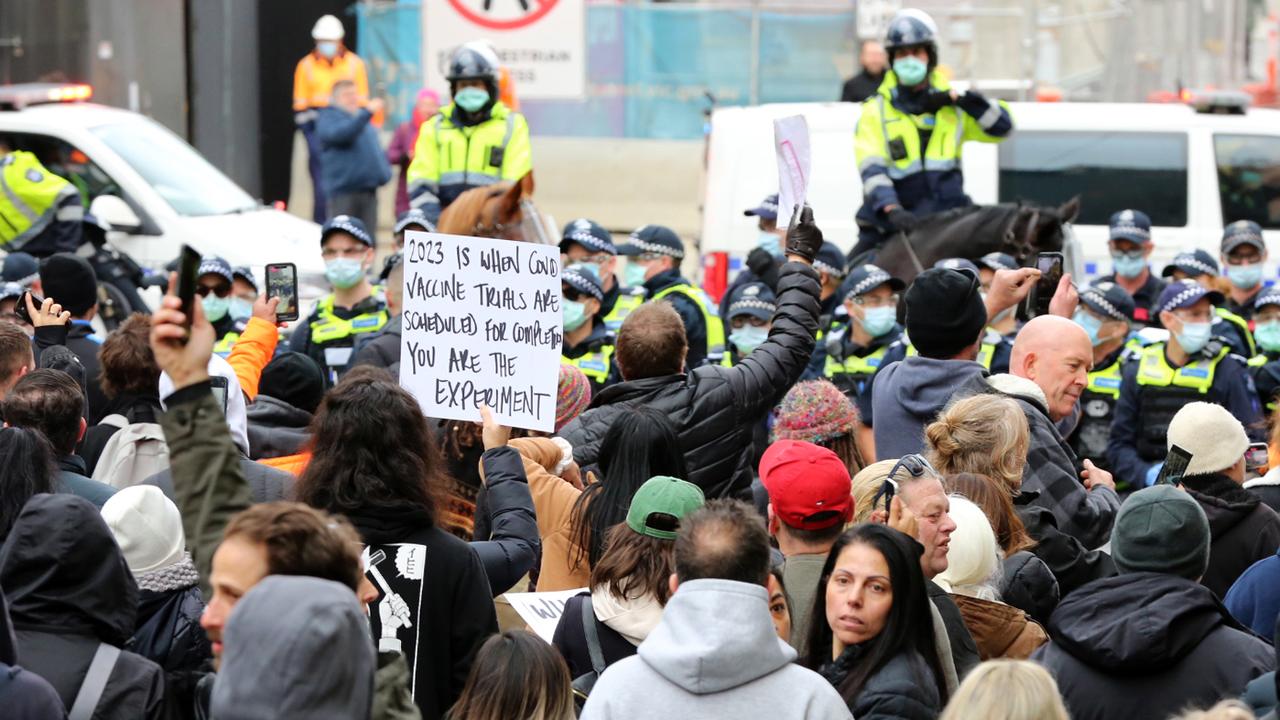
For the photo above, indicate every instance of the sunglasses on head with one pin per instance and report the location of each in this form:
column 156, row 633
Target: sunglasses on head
column 916, row 466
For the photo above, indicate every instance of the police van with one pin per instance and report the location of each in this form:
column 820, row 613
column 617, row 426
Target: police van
column 154, row 189
column 1192, row 167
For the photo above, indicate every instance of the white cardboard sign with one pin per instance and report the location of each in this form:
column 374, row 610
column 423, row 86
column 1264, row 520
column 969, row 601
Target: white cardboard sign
column 482, row 325
column 541, row 610
column 791, row 143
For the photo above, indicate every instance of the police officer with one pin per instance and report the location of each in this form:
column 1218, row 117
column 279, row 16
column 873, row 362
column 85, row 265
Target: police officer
column 588, row 344
column 1243, row 252
column 1190, row 366
column 585, row 242
column 330, row 331
column 1131, row 246
column 1265, row 366
column 1006, row 323
column 1201, row 267
column 1105, row 312
column 910, row 136
column 244, row 293
column 213, row 284
column 751, row 309
column 653, row 255
column 411, row 219
column 40, row 213
column 830, row 266
column 475, row 140
column 765, row 259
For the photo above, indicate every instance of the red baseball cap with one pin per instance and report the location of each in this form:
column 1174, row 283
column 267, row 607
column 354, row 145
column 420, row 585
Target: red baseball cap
column 809, row 487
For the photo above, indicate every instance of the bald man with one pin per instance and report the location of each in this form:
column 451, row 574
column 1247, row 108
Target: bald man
column 1049, row 369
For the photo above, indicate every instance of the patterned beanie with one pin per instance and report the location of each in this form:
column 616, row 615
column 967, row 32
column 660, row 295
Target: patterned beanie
column 814, row 411
column 573, row 397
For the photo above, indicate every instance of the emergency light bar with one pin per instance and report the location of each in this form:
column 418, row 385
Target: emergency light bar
column 17, row 97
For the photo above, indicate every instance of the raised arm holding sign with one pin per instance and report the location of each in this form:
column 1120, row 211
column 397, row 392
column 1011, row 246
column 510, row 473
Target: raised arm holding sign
column 482, row 326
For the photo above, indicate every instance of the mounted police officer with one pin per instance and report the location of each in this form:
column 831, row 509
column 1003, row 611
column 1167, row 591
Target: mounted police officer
column 1200, row 266
column 1131, row 245
column 588, row 343
column 1105, row 312
column 585, row 242
column 1192, row 365
column 329, row 333
column 1265, row 366
column 653, row 256
column 911, row 133
column 40, row 213
column 474, row 141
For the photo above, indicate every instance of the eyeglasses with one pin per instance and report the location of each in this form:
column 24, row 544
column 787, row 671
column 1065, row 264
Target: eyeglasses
column 875, row 302
column 1130, row 255
column 648, row 257
column 916, row 466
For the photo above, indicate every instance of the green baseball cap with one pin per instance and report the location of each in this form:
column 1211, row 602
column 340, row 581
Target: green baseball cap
column 662, row 495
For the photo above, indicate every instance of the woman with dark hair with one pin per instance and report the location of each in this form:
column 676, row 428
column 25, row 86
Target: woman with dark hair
column 373, row 461
column 877, row 646
column 28, row 462
column 516, row 675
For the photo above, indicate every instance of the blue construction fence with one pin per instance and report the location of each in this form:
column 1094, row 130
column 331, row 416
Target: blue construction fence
column 650, row 68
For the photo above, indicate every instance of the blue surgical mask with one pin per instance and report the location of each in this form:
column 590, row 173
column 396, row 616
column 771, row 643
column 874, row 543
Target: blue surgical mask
column 471, row 99
column 1194, row 336
column 633, row 274
column 328, row 48
column 879, row 320
column 1268, row 335
column 910, row 70
column 593, row 268
column 344, row 273
column 1129, row 267
column 1091, row 325
column 215, row 308
column 1245, row 276
column 770, row 243
column 748, row 337
column 575, row 314
column 240, row 309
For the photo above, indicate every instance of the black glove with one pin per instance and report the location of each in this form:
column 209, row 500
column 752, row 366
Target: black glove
column 803, row 236
column 902, row 220
column 935, row 100
column 764, row 266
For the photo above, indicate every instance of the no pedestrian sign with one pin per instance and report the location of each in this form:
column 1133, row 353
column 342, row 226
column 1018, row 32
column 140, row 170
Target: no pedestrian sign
column 541, row 42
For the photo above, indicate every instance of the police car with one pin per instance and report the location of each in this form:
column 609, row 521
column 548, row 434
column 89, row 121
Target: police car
column 154, row 189
column 1193, row 167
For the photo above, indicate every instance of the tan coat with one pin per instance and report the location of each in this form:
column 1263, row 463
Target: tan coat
column 1000, row 631
column 553, row 501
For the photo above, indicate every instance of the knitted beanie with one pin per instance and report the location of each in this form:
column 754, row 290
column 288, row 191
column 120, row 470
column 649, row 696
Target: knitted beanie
column 147, row 527
column 1213, row 436
column 814, row 411
column 573, row 396
column 945, row 312
column 1161, row 529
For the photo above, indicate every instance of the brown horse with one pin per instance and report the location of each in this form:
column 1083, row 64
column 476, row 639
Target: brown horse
column 503, row 210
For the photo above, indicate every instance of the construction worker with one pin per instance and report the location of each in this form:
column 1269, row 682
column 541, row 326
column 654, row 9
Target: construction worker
column 1105, row 312
column 584, row 242
column 313, row 81
column 329, row 333
column 474, row 141
column 40, row 213
column 1201, row 267
column 588, row 344
column 653, row 256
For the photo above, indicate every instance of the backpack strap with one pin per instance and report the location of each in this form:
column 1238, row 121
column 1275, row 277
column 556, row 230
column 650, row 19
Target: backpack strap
column 115, row 420
column 95, row 681
column 593, row 637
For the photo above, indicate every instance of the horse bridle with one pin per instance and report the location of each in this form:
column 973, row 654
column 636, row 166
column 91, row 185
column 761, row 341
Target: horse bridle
column 1022, row 249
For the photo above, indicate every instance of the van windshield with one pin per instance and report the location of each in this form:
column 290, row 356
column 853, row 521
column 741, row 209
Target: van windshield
column 178, row 173
column 1249, row 178
column 1110, row 171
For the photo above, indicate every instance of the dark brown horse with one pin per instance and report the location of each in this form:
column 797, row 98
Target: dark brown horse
column 1014, row 228
column 503, row 210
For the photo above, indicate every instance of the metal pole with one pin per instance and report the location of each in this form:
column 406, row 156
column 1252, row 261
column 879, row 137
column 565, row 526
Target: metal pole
column 754, row 90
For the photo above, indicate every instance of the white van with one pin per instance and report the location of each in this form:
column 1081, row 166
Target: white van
column 1192, row 172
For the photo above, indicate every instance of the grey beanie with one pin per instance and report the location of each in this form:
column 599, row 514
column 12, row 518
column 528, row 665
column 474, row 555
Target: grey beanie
column 1161, row 529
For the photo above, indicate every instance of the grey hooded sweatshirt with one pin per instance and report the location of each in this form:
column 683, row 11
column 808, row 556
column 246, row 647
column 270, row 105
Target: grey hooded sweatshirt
column 296, row 648
column 714, row 655
column 907, row 396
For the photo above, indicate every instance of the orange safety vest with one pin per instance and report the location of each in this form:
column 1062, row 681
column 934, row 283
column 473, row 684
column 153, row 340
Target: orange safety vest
column 315, row 75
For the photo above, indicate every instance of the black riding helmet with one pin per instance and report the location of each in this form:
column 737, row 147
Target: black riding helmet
column 469, row 63
column 913, row 28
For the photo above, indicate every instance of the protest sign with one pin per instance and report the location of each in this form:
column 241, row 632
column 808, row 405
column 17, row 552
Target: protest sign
column 481, row 326
column 791, row 141
column 541, row 610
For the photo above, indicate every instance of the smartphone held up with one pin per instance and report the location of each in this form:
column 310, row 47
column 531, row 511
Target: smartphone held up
column 282, row 282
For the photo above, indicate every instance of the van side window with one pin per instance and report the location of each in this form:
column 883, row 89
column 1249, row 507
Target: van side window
column 1249, row 178
column 1110, row 171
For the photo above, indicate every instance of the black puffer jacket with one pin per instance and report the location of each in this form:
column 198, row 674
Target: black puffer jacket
column 1070, row 562
column 69, row 590
column 1029, row 585
column 1148, row 645
column 169, row 631
column 903, row 689
column 276, row 428
column 716, row 409
column 1243, row 528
